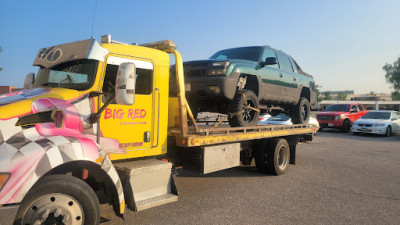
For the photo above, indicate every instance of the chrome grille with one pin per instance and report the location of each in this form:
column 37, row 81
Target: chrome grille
column 325, row 117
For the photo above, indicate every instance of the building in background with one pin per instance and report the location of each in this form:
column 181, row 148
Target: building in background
column 8, row 89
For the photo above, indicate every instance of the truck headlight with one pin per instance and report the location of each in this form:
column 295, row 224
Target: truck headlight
column 216, row 72
column 3, row 179
column 338, row 117
column 218, row 68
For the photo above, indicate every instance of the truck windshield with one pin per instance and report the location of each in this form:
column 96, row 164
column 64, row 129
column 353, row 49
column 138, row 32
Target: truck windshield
column 77, row 75
column 247, row 53
column 338, row 108
column 377, row 115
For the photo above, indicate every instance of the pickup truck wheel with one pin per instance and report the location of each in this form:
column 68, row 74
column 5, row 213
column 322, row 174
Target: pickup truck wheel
column 346, row 126
column 300, row 113
column 59, row 199
column 240, row 103
column 273, row 156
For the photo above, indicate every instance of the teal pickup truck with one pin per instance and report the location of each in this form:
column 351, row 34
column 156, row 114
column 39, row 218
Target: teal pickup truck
column 244, row 82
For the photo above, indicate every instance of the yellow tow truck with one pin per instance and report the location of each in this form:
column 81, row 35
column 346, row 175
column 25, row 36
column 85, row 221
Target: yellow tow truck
column 107, row 123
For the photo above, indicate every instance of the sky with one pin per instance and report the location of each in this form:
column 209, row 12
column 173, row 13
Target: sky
column 343, row 43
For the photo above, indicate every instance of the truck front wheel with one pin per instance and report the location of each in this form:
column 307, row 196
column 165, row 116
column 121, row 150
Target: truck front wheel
column 242, row 109
column 273, row 156
column 59, row 199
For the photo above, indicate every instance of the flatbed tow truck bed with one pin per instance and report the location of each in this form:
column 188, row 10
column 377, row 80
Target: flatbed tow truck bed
column 207, row 135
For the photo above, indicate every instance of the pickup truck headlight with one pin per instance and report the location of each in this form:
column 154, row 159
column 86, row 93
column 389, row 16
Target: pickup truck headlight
column 379, row 124
column 338, row 117
column 218, row 68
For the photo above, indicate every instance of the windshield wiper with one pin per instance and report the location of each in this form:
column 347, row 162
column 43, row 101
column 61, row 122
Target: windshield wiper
column 52, row 84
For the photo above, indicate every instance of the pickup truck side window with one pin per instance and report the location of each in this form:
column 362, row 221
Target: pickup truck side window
column 354, row 107
column 360, row 108
column 284, row 62
column 269, row 53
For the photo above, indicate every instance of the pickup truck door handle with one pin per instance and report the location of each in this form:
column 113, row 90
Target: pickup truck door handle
column 294, row 78
column 280, row 75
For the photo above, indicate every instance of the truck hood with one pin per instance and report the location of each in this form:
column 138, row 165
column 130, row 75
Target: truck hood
column 20, row 103
column 372, row 121
column 208, row 62
column 332, row 113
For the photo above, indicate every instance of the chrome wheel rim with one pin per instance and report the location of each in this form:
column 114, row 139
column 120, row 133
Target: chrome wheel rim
column 54, row 209
column 282, row 157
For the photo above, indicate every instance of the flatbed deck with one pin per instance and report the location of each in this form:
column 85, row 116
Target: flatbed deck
column 209, row 136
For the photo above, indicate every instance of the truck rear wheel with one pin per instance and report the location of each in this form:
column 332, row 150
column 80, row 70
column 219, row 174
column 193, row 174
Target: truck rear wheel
column 59, row 199
column 242, row 114
column 273, row 157
column 300, row 113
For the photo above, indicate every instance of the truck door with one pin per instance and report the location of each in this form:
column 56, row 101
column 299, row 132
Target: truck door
column 290, row 80
column 272, row 77
column 132, row 125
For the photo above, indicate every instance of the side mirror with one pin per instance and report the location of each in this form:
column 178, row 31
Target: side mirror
column 353, row 111
column 269, row 61
column 125, row 84
column 29, row 79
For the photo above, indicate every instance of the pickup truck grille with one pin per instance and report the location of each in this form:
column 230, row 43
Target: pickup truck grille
column 194, row 73
column 325, row 117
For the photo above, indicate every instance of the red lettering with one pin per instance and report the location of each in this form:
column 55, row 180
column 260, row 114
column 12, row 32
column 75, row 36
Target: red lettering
column 130, row 112
column 107, row 114
column 142, row 113
column 120, row 114
column 137, row 114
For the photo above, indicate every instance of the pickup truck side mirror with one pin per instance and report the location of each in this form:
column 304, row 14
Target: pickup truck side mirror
column 29, row 79
column 269, row 61
column 125, row 84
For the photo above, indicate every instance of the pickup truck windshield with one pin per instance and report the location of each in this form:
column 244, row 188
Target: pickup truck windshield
column 77, row 75
column 377, row 115
column 338, row 108
column 247, row 53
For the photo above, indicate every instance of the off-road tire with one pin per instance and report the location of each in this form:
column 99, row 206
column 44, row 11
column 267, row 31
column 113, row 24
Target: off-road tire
column 46, row 195
column 300, row 113
column 249, row 117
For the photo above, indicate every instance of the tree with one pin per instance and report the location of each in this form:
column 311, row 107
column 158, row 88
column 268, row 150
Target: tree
column 395, row 96
column 393, row 74
column 342, row 96
column 327, row 95
column 372, row 93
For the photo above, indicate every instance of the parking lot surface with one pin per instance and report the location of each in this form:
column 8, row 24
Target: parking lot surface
column 339, row 178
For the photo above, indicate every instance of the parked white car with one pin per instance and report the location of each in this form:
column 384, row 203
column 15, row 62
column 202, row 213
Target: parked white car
column 282, row 119
column 378, row 122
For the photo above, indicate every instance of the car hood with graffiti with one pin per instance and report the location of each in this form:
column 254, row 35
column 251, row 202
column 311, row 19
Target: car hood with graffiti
column 43, row 128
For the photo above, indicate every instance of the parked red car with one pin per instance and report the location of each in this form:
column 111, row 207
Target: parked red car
column 340, row 116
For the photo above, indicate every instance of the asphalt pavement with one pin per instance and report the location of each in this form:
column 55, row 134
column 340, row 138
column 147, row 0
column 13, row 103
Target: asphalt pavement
column 339, row 178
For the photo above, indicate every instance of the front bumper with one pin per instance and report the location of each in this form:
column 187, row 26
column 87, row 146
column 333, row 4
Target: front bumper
column 332, row 124
column 369, row 130
column 199, row 87
column 8, row 214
